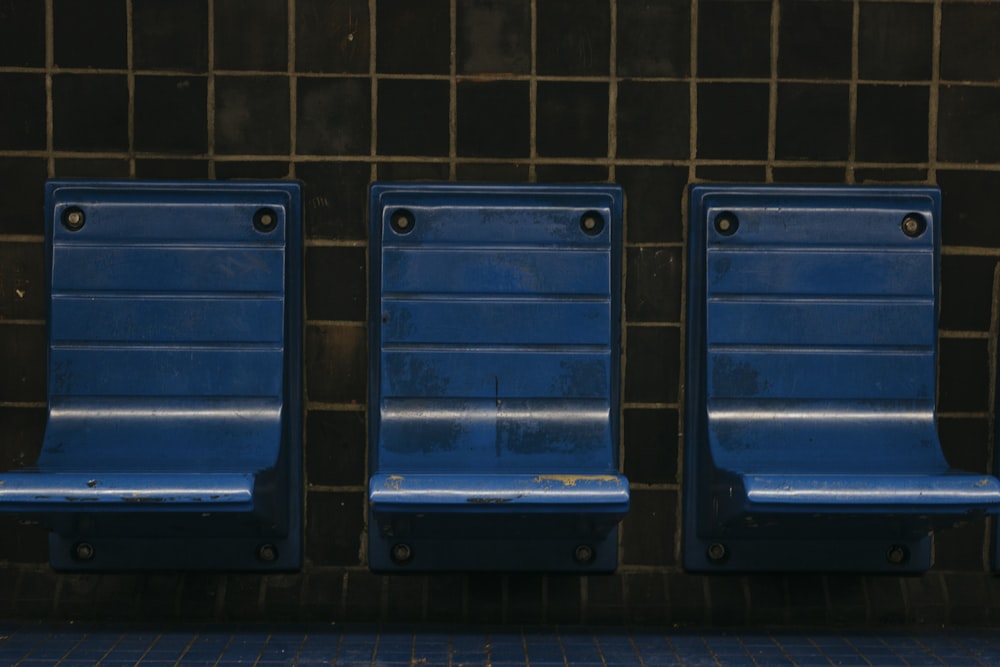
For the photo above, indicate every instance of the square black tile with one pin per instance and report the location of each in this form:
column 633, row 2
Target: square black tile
column 574, row 37
column 895, row 41
column 892, row 123
column 729, row 601
column 738, row 173
column 413, row 171
column 970, row 208
column 651, row 446
column 322, row 594
column 413, row 117
column 645, row 597
column 25, row 176
column 497, row 172
column 170, row 35
column 734, row 39
column 767, row 599
column 963, row 380
column 171, row 114
column 571, row 173
column 493, row 36
column 335, row 199
column 335, row 448
column 572, row 119
column 968, row 118
column 22, row 362
column 264, row 169
column 405, row 598
column 37, row 593
column 969, row 46
column 653, row 119
column 90, row 112
column 413, row 37
column 251, row 115
column 807, row 595
column 171, row 169
column 22, row 282
column 967, row 594
column 653, row 211
column 254, row 39
column 896, row 175
column 564, row 599
column 813, row 122
column 494, row 118
column 732, row 120
column 22, row 34
column 525, row 599
column 814, row 40
column 652, row 367
column 848, row 600
column 605, row 601
column 961, row 549
column 23, row 544
column 332, row 36
column 653, row 284
column 334, row 526
column 966, row 292
column 833, row 175
column 964, row 441
column 486, row 597
column 887, row 601
column 444, row 597
column 654, row 38
column 91, row 167
column 334, row 116
column 22, row 108
column 364, row 596
column 649, row 531
column 336, row 363
column 89, row 33
column 335, row 283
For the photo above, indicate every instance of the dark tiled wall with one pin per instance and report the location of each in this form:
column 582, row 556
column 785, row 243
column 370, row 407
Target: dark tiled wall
column 651, row 94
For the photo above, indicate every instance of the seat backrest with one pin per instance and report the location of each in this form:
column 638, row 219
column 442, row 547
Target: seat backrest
column 167, row 323
column 818, row 313
column 495, row 327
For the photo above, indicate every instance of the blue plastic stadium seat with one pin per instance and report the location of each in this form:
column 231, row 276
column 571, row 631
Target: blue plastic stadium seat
column 494, row 377
column 811, row 438
column 173, row 435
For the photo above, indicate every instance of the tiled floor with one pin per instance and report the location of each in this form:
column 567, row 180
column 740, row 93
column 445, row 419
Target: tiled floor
column 335, row 645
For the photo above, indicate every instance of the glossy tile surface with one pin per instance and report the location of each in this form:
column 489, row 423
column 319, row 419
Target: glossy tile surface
column 334, row 645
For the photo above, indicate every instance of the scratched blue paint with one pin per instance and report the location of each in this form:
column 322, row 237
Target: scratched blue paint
column 174, row 387
column 494, row 377
column 811, row 370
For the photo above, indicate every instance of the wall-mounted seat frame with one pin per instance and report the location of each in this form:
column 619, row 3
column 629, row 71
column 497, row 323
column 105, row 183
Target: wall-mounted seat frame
column 811, row 441
column 174, row 383
column 494, row 377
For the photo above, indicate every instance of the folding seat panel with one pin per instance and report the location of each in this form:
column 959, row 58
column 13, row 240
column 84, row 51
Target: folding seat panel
column 174, row 383
column 494, row 377
column 811, row 441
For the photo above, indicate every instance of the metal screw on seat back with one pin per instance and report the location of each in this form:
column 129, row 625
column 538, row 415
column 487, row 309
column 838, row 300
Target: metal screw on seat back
column 402, row 221
column 717, row 552
column 897, row 554
column 592, row 223
column 265, row 220
column 83, row 551
column 401, row 553
column 267, row 553
column 73, row 219
column 726, row 223
column 914, row 225
column 584, row 554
